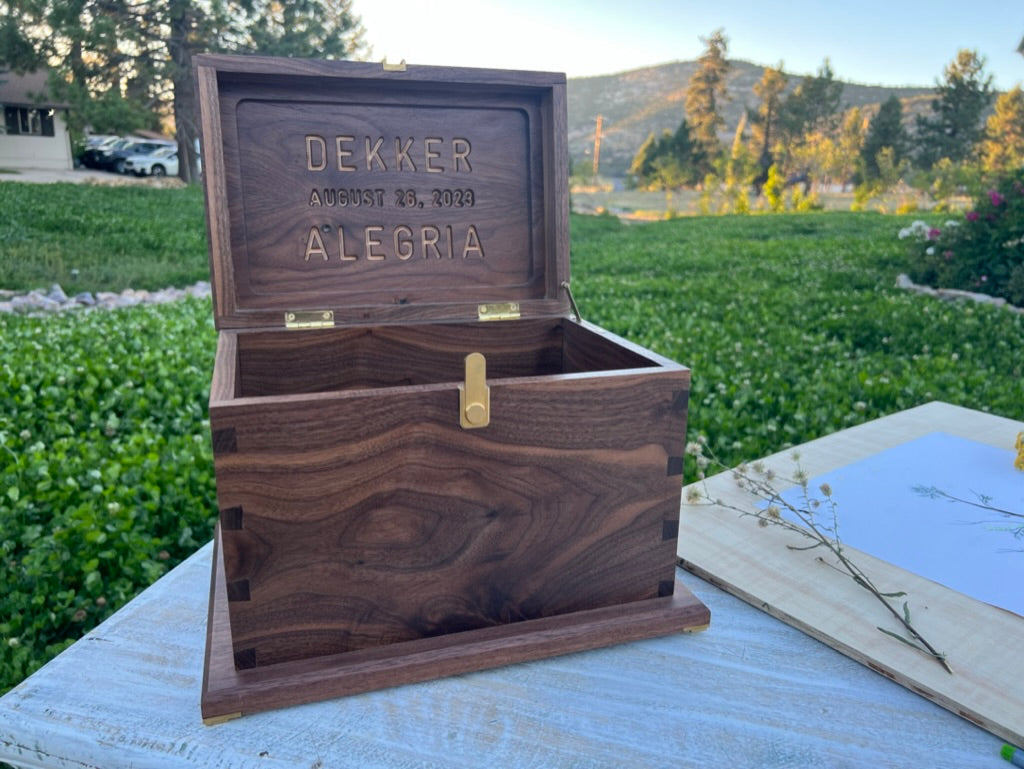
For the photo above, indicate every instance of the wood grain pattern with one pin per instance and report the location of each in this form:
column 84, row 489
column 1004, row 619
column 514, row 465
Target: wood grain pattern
column 127, row 696
column 229, row 691
column 286, row 363
column 398, row 197
column 755, row 564
column 370, row 517
column 357, row 513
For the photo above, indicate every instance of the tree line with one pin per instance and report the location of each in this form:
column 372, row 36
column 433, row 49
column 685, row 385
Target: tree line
column 807, row 137
column 126, row 65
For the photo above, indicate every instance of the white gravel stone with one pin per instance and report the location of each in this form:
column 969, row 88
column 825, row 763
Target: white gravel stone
column 954, row 294
column 40, row 302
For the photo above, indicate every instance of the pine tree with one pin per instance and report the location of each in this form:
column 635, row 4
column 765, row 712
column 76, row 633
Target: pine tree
column 669, row 161
column 124, row 64
column 813, row 105
column 704, row 95
column 954, row 128
column 1003, row 146
column 642, row 167
column 764, row 121
column 885, row 130
column 808, row 121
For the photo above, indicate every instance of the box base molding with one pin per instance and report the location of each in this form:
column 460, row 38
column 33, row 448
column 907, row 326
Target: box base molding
column 228, row 693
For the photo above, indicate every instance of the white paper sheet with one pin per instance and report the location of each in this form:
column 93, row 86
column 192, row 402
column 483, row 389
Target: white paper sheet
column 976, row 552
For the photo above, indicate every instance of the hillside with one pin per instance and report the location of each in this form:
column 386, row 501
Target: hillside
column 637, row 103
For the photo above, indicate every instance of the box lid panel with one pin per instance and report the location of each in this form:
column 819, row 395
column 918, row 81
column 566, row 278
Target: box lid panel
column 382, row 196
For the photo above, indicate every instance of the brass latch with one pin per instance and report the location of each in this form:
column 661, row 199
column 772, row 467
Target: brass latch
column 474, row 394
column 309, row 319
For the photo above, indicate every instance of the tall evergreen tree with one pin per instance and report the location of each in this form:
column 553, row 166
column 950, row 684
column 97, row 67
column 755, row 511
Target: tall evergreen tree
column 124, row 64
column 1003, row 146
column 16, row 50
column 764, row 121
column 814, row 105
column 642, row 167
column 885, row 130
column 671, row 160
column 808, row 122
column 954, row 129
column 704, row 95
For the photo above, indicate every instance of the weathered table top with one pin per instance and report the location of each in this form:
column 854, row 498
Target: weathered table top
column 750, row 691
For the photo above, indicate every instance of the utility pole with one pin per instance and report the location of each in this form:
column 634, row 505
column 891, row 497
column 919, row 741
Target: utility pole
column 597, row 144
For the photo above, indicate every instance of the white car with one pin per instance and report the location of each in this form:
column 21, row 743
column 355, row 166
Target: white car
column 161, row 162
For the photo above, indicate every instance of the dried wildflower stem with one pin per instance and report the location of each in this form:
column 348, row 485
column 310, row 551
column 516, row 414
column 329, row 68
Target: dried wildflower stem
column 804, row 521
column 935, row 493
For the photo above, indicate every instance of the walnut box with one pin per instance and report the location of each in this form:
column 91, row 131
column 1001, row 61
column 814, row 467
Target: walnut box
column 426, row 462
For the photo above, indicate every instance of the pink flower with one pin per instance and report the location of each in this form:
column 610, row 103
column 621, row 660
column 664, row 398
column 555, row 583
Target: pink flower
column 972, row 216
column 996, row 198
column 933, row 234
column 948, row 255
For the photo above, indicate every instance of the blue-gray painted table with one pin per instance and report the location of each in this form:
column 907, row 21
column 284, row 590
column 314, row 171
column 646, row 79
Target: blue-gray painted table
column 748, row 692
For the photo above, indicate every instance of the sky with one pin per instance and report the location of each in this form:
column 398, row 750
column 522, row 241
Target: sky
column 875, row 42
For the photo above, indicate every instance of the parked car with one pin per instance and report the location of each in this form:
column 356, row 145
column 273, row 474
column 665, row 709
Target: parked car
column 161, row 162
column 97, row 148
column 115, row 160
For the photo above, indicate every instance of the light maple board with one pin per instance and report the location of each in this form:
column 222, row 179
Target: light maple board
column 982, row 642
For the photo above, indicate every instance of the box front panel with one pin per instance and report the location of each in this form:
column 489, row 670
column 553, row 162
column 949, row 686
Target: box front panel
column 351, row 522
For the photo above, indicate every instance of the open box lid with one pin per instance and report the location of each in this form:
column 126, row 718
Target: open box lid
column 369, row 193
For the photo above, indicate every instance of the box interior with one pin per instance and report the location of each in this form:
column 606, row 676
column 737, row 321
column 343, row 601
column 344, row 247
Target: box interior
column 276, row 363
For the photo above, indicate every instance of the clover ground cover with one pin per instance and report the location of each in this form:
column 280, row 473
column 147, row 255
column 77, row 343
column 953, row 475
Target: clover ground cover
column 789, row 323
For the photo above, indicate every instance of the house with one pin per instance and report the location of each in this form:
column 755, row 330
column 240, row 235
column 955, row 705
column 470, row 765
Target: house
column 34, row 131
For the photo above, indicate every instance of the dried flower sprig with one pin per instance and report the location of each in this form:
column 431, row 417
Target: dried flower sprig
column 813, row 518
column 983, row 502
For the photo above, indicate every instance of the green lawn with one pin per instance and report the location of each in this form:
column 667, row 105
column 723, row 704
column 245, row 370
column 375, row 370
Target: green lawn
column 789, row 322
column 92, row 238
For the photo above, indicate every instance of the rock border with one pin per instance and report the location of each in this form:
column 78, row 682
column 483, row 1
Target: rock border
column 41, row 302
column 954, row 294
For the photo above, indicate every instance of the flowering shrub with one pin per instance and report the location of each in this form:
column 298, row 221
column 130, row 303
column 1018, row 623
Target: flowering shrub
column 984, row 253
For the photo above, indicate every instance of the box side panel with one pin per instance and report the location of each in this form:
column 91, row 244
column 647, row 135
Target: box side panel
column 373, row 520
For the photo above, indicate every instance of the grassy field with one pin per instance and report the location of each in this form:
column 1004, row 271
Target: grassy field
column 789, row 323
column 90, row 238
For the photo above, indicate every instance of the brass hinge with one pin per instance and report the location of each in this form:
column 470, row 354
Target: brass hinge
column 309, row 319
column 498, row 311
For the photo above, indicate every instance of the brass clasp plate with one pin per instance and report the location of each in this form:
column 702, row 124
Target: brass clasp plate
column 474, row 394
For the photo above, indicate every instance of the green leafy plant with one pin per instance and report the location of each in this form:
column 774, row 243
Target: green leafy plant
column 106, row 476
column 983, row 253
column 789, row 323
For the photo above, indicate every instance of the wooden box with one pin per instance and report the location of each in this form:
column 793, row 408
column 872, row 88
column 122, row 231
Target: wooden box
column 426, row 462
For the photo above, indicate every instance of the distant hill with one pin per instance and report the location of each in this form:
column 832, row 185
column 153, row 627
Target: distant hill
column 637, row 103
